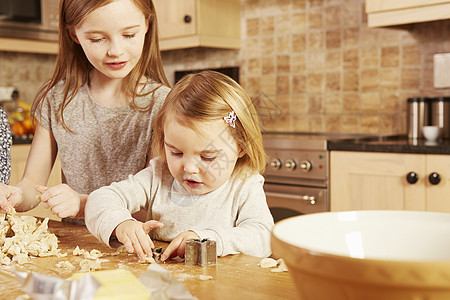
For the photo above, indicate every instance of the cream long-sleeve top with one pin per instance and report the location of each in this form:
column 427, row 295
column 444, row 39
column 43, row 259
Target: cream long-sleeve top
column 235, row 215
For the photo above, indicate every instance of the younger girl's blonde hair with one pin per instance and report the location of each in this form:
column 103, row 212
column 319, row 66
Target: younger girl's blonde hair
column 209, row 96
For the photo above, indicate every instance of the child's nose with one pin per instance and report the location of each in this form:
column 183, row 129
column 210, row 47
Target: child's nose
column 115, row 49
column 191, row 166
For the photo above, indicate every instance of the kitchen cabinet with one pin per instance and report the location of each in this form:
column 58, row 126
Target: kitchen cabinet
column 182, row 24
column 28, row 46
column 19, row 154
column 198, row 23
column 369, row 180
column 388, row 12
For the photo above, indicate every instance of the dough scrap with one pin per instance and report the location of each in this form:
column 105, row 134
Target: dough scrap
column 91, row 261
column 89, row 265
column 272, row 263
column 64, row 264
column 282, row 267
column 205, row 277
column 147, row 260
column 267, row 263
column 25, row 236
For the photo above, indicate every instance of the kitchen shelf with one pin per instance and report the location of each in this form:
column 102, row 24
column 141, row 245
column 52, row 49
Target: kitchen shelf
column 388, row 12
column 28, row 46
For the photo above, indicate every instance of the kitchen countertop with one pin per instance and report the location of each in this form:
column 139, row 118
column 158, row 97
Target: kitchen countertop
column 391, row 144
column 234, row 277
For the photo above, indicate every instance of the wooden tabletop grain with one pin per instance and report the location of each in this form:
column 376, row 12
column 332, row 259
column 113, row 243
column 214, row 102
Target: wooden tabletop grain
column 234, row 276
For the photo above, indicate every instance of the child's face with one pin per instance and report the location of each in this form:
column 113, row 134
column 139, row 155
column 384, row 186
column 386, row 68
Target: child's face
column 200, row 162
column 112, row 38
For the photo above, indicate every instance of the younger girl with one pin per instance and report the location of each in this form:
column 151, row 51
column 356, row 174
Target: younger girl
column 97, row 109
column 205, row 182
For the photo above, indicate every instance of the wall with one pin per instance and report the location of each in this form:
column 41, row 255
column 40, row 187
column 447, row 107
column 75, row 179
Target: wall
column 26, row 72
column 313, row 65
column 309, row 65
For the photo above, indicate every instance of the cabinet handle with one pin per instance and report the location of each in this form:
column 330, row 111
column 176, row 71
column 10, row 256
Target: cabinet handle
column 412, row 177
column 187, row 19
column 434, row 178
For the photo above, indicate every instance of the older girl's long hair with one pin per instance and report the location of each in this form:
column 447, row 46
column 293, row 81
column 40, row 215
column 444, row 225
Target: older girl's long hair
column 209, row 96
column 73, row 66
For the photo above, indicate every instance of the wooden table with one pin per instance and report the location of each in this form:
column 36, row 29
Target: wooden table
column 234, row 276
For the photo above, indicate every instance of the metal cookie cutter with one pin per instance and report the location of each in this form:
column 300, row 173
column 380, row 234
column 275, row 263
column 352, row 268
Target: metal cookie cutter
column 157, row 252
column 200, row 252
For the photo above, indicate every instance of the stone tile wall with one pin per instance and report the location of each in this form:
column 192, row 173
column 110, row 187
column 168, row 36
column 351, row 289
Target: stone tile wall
column 309, row 65
column 314, row 65
column 26, row 72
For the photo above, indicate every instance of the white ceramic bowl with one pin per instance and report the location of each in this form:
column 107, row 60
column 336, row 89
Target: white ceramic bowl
column 367, row 254
column 432, row 133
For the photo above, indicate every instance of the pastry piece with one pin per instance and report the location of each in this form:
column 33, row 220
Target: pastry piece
column 25, row 236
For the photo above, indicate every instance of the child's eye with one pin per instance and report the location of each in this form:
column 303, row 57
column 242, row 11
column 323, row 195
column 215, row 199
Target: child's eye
column 176, row 154
column 95, row 40
column 129, row 36
column 209, row 159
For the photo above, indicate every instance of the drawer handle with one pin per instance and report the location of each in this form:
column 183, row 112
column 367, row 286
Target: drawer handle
column 434, row 178
column 187, row 19
column 412, row 177
column 310, row 199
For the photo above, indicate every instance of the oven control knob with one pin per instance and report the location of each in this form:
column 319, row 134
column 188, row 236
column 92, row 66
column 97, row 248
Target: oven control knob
column 305, row 166
column 311, row 199
column 275, row 164
column 290, row 165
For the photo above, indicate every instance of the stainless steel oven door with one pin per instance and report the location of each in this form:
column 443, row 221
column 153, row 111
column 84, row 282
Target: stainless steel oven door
column 290, row 200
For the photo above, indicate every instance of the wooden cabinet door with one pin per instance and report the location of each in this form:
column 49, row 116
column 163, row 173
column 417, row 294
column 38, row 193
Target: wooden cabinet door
column 173, row 16
column 438, row 195
column 198, row 23
column 365, row 180
column 389, row 12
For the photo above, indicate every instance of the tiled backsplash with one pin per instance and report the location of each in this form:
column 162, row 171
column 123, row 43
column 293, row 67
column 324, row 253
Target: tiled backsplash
column 310, row 65
column 26, row 72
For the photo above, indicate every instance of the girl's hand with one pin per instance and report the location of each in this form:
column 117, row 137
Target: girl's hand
column 10, row 196
column 178, row 245
column 60, row 199
column 134, row 236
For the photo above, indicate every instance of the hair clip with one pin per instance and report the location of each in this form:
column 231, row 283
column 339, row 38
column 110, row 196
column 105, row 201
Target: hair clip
column 231, row 119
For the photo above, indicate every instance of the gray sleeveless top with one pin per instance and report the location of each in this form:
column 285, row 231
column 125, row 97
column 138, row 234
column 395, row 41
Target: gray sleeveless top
column 107, row 143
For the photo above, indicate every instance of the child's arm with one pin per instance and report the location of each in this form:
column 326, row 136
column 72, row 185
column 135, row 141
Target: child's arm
column 37, row 171
column 134, row 236
column 109, row 206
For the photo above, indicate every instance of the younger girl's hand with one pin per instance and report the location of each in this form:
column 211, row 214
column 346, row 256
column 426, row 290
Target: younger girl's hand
column 10, row 196
column 60, row 199
column 134, row 236
column 178, row 245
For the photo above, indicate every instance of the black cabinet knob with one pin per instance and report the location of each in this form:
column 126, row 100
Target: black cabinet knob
column 187, row 19
column 412, row 177
column 434, row 178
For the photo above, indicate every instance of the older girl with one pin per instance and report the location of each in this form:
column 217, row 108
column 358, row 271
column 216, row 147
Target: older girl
column 97, row 109
column 205, row 182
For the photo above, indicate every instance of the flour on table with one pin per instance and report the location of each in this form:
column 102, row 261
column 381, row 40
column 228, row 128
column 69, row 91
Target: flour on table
column 25, row 236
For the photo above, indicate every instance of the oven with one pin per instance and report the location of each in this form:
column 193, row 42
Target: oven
column 297, row 172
